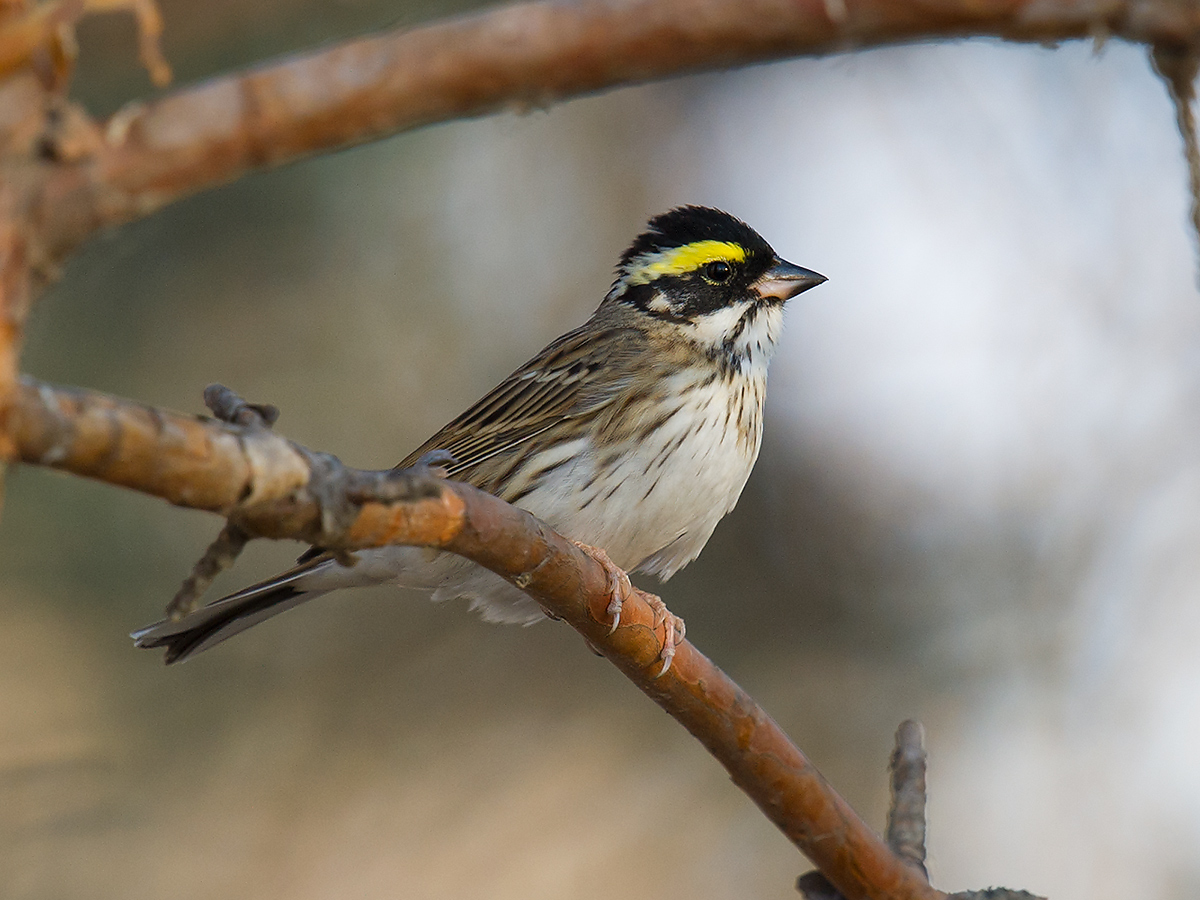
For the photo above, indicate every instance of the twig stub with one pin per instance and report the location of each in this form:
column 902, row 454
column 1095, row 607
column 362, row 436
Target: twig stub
column 906, row 817
column 227, row 406
column 220, row 555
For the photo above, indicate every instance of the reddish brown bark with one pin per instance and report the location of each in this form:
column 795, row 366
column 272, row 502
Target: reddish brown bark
column 520, row 56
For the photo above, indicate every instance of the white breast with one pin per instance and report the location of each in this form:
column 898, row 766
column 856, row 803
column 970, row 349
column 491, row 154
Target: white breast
column 664, row 495
column 653, row 505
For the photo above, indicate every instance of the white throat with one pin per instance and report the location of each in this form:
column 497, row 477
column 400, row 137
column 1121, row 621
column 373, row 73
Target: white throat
column 756, row 330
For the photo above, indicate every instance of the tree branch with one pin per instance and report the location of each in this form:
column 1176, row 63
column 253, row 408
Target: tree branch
column 269, row 487
column 520, row 56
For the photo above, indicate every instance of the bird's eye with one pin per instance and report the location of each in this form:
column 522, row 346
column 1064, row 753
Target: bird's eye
column 718, row 271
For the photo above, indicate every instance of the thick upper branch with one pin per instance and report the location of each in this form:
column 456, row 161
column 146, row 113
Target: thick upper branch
column 515, row 56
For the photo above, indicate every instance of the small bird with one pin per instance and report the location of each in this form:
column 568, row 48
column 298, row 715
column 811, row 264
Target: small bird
column 634, row 433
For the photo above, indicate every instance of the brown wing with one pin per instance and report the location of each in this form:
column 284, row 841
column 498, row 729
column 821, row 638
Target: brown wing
column 560, row 383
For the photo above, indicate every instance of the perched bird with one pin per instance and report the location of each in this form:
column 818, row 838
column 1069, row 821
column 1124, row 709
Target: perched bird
column 634, row 433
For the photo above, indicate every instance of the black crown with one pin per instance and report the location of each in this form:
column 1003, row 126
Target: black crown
column 688, row 224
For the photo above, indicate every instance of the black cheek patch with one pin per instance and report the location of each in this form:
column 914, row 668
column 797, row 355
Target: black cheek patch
column 642, row 296
column 700, row 297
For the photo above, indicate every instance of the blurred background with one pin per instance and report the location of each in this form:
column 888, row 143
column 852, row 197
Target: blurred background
column 978, row 501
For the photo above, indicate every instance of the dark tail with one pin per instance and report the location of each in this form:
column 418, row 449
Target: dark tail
column 221, row 619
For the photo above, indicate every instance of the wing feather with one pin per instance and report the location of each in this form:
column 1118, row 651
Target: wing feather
column 558, row 384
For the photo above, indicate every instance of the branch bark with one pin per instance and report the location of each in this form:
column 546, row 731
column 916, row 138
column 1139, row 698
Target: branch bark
column 267, row 486
column 520, row 56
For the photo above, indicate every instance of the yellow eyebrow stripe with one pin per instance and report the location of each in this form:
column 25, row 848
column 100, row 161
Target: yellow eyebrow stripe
column 687, row 258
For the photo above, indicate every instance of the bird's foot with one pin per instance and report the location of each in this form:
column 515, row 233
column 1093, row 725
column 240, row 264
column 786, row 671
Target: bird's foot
column 620, row 589
column 619, row 585
column 674, row 629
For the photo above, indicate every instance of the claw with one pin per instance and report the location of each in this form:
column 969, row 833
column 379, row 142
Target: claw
column 615, row 605
column 673, row 631
column 619, row 588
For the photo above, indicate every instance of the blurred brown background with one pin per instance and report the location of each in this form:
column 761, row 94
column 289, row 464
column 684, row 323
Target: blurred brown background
column 976, row 503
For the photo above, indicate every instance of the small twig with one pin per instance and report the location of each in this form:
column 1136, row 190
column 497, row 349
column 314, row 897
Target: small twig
column 906, row 818
column 227, row 406
column 1177, row 65
column 220, row 555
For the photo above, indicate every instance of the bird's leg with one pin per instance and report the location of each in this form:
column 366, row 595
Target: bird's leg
column 620, row 589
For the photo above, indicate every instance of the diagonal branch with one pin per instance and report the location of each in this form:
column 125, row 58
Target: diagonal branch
column 519, row 56
column 270, row 487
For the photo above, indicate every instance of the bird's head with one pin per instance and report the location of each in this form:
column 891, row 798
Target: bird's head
column 705, row 271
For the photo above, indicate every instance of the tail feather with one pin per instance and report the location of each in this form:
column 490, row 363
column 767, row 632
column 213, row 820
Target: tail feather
column 222, row 619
